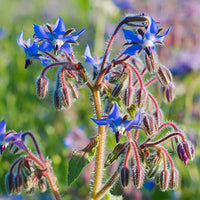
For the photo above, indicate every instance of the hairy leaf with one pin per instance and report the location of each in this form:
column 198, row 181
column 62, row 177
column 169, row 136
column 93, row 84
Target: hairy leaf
column 80, row 158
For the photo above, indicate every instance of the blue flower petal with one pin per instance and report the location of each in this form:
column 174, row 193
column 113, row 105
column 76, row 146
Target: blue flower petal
column 101, row 122
column 13, row 136
column 153, row 27
column 159, row 38
column 59, row 27
column 87, row 52
column 114, row 112
column 132, row 50
column 20, row 40
column 134, row 122
column 19, row 144
column 40, row 32
column 2, row 126
column 33, row 49
column 66, row 47
column 132, row 37
column 46, row 46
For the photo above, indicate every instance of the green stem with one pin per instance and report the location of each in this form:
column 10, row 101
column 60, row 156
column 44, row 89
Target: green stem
column 99, row 162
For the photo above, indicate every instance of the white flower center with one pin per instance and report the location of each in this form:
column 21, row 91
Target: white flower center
column 59, row 42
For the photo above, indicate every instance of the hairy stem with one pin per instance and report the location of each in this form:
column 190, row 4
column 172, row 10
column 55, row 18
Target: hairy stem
column 99, row 162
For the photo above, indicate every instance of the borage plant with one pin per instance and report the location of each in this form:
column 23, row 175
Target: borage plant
column 121, row 100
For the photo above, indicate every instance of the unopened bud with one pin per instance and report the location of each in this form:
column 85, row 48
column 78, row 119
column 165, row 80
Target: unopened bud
column 128, row 96
column 141, row 97
column 137, row 20
column 182, row 154
column 74, row 91
column 168, row 92
column 125, row 174
column 18, row 183
column 42, row 184
column 42, row 86
column 158, row 116
column 138, row 176
column 10, row 185
column 66, row 96
column 189, row 149
column 164, row 179
column 173, row 180
column 57, row 99
column 164, row 76
column 149, row 125
column 151, row 60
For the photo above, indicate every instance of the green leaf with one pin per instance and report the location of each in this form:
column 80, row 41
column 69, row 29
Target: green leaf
column 117, row 151
column 80, row 158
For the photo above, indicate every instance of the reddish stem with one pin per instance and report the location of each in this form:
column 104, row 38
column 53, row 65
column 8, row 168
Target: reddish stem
column 127, row 156
column 146, row 144
column 151, row 81
column 14, row 164
column 35, row 143
column 129, row 78
column 169, row 124
column 136, row 134
column 134, row 148
column 52, row 65
column 138, row 75
column 154, row 101
column 50, row 55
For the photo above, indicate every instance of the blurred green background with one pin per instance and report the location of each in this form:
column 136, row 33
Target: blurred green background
column 22, row 110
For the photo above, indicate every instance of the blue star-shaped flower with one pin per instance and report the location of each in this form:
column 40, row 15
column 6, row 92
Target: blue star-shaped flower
column 55, row 37
column 145, row 40
column 117, row 124
column 94, row 61
column 9, row 138
column 31, row 51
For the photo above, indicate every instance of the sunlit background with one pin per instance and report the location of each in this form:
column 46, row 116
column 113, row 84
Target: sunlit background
column 22, row 110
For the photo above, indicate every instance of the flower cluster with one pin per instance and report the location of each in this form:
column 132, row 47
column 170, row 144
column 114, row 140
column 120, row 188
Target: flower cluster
column 119, row 88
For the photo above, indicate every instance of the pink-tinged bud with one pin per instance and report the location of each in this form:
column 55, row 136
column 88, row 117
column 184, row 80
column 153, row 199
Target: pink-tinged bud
column 138, row 176
column 66, row 96
column 57, row 99
column 10, row 185
column 149, row 124
column 189, row 149
column 125, row 174
column 173, row 180
column 42, row 86
column 74, row 91
column 168, row 92
column 182, row 154
column 117, row 89
column 42, row 185
column 164, row 75
column 164, row 179
column 152, row 62
column 18, row 183
column 158, row 116
column 128, row 96
column 141, row 97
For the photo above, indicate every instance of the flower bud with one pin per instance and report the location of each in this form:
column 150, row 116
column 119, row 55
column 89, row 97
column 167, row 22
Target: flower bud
column 182, row 154
column 173, row 180
column 66, row 96
column 158, row 116
column 168, row 92
column 149, row 125
column 10, row 185
column 42, row 184
column 128, row 96
column 141, row 97
column 164, row 76
column 189, row 149
column 18, row 183
column 57, row 99
column 74, row 91
column 138, row 176
column 125, row 174
column 42, row 86
column 152, row 62
column 164, row 179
